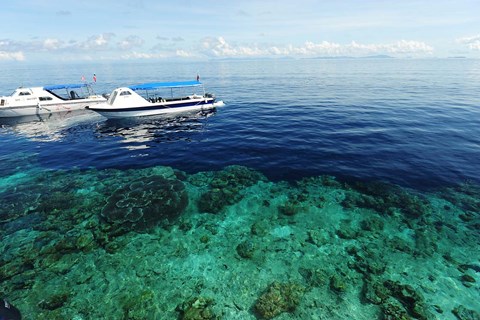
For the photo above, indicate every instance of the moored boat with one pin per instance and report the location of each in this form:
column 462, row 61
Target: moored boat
column 155, row 98
column 48, row 99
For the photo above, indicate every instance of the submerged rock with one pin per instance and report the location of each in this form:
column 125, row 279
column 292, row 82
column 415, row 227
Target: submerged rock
column 144, row 202
column 279, row 298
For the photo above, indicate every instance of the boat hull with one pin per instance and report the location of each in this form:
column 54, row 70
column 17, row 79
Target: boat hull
column 110, row 112
column 39, row 109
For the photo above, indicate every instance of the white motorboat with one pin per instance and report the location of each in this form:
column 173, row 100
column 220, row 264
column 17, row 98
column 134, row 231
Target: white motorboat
column 48, row 99
column 156, row 98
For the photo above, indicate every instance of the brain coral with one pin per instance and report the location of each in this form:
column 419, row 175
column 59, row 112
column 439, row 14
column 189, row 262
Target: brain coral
column 144, row 202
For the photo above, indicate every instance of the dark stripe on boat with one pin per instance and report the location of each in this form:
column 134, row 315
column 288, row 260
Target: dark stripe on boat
column 155, row 107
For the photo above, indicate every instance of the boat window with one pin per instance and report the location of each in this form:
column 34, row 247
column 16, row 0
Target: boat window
column 125, row 93
column 24, row 93
column 45, row 98
column 112, row 97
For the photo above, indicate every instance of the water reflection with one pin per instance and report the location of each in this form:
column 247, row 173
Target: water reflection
column 143, row 132
column 48, row 127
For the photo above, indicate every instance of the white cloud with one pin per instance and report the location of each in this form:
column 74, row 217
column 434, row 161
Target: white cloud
column 141, row 55
column 131, row 42
column 96, row 42
column 52, row 44
column 219, row 47
column 183, row 54
column 472, row 42
column 159, row 55
column 402, row 47
column 17, row 56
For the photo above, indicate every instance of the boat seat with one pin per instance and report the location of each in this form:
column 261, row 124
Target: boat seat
column 73, row 95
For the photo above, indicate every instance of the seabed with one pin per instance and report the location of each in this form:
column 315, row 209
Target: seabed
column 159, row 243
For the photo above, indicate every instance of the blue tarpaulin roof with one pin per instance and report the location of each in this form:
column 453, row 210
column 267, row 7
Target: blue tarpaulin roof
column 65, row 86
column 156, row 85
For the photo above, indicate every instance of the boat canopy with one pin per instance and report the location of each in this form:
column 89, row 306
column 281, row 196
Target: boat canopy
column 156, row 85
column 66, row 86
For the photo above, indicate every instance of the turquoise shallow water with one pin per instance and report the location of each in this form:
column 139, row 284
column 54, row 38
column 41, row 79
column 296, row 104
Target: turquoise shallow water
column 322, row 190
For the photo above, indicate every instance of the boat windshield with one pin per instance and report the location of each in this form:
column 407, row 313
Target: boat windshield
column 166, row 93
column 112, row 97
column 70, row 92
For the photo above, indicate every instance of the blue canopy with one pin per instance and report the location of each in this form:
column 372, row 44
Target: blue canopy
column 156, row 85
column 65, row 86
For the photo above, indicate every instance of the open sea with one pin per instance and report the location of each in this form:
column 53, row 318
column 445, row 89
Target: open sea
column 323, row 189
column 411, row 122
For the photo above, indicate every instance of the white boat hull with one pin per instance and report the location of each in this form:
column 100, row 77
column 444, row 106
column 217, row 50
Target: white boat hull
column 108, row 112
column 21, row 111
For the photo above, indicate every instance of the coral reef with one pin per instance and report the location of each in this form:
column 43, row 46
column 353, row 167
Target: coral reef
column 138, row 306
column 226, row 186
column 279, row 298
column 246, row 249
column 385, row 198
column 54, row 302
column 260, row 228
column 294, row 204
column 145, row 202
column 463, row 313
column 197, row 308
column 338, row 283
column 370, row 251
column 398, row 301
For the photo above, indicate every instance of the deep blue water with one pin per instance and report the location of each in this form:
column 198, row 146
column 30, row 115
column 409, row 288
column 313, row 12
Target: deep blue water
column 411, row 122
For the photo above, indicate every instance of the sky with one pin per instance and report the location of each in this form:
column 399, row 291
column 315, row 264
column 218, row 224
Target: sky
column 87, row 30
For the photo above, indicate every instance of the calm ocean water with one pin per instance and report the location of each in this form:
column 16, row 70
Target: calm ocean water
column 410, row 122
